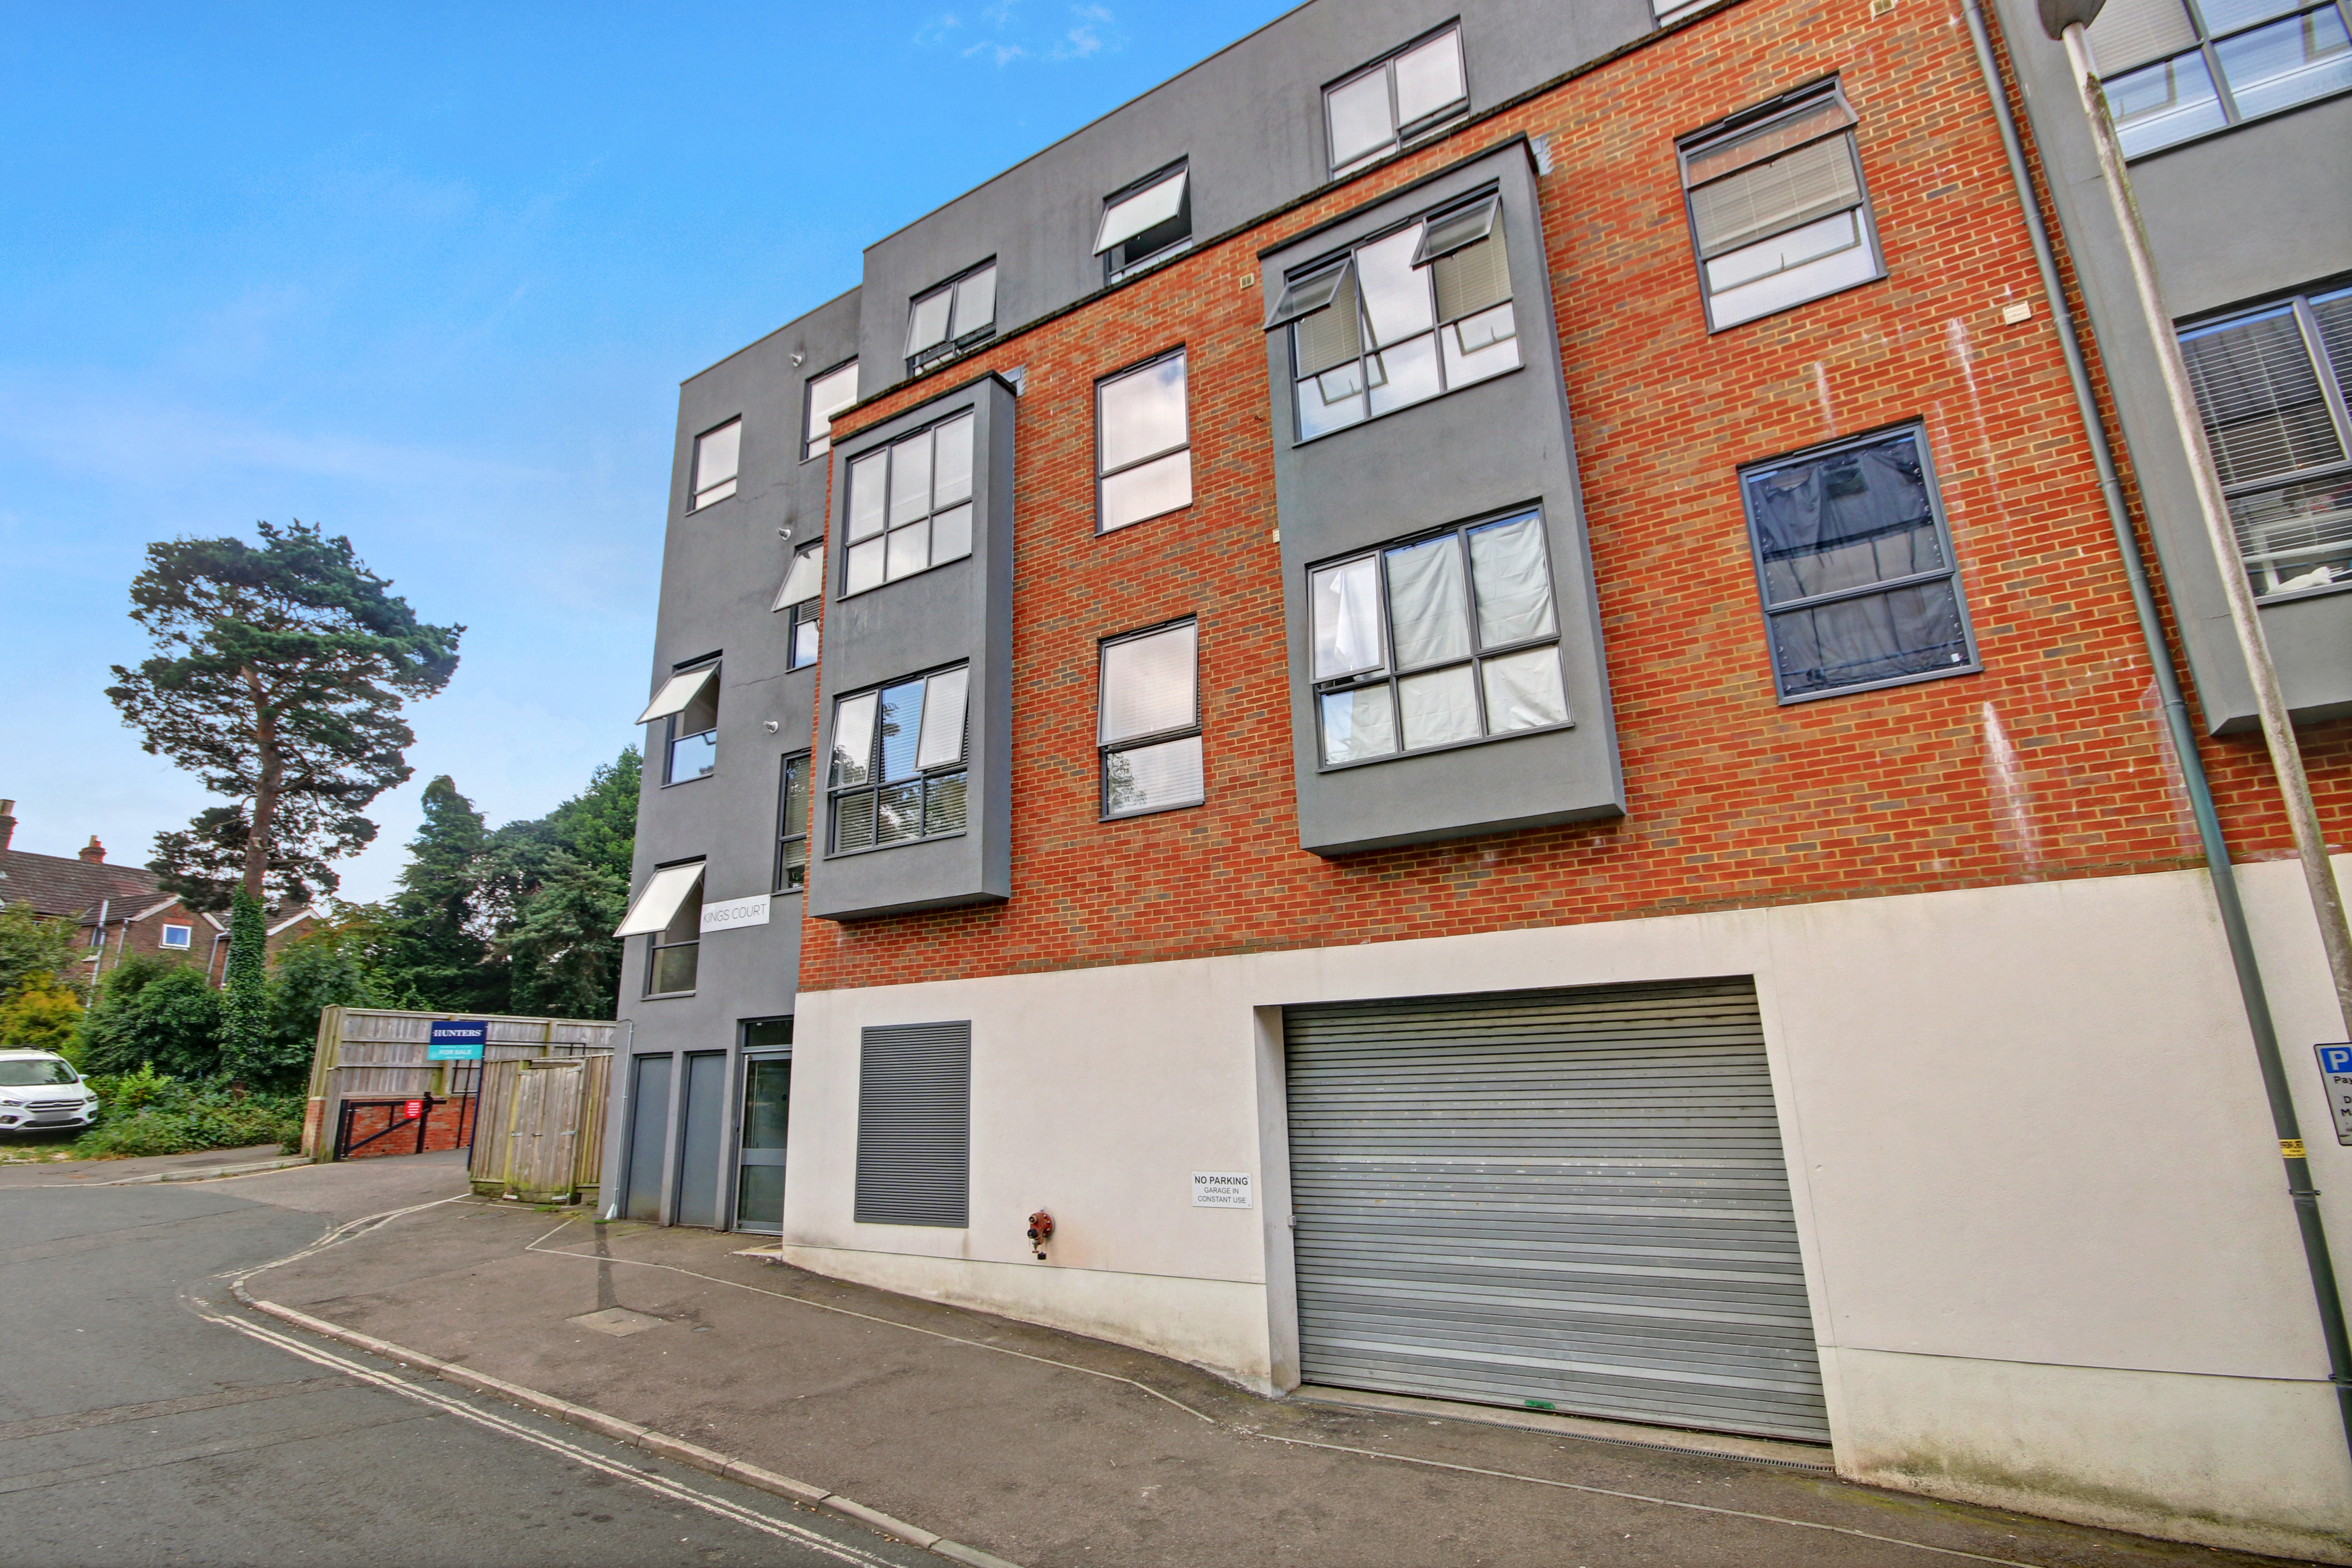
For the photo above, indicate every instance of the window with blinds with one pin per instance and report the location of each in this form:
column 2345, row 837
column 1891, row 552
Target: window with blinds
column 897, row 772
column 1413, row 313
column 1778, row 212
column 2172, row 70
column 1438, row 641
column 2273, row 386
column 1148, row 727
column 914, row 1125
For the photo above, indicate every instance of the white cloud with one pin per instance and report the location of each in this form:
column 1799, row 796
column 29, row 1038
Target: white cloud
column 1094, row 31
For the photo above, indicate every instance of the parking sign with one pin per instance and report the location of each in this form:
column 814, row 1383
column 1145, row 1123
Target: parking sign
column 2335, row 1073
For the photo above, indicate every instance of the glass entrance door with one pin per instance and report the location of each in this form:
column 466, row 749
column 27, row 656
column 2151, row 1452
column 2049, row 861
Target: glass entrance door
column 760, row 1172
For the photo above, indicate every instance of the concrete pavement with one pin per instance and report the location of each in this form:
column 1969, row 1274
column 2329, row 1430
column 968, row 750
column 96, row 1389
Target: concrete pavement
column 1051, row 1450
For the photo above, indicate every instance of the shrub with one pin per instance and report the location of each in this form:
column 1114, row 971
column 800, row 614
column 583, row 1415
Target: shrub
column 41, row 1016
column 145, row 1112
column 149, row 1011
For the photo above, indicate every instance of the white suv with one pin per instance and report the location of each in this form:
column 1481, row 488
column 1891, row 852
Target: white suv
column 39, row 1090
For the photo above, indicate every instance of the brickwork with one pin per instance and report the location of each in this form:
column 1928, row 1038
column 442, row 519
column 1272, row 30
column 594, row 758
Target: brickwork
column 2050, row 764
column 448, row 1125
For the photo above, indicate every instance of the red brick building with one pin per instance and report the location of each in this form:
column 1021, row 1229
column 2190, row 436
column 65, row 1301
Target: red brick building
column 1601, row 837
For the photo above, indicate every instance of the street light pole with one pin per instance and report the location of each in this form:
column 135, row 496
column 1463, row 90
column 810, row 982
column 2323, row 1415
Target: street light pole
column 2066, row 20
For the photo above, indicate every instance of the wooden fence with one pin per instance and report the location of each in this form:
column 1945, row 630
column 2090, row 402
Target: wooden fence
column 378, row 1054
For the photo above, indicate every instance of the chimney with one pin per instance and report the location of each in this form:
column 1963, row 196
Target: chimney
column 8, row 822
column 93, row 853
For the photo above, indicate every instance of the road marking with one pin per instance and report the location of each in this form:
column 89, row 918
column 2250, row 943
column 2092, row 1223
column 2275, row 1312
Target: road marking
column 42, row 1426
column 675, row 1491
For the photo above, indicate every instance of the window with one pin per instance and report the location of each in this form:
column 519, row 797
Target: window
column 909, row 505
column 177, row 936
column 1143, row 445
column 803, row 593
column 793, row 827
column 1440, row 640
column 1380, row 108
column 828, row 394
column 1149, row 220
column 898, row 766
column 1420, row 311
column 1777, row 211
column 1855, row 567
column 914, row 1125
column 2175, row 68
column 1672, row 11
column 687, row 708
column 2273, row 386
column 716, row 454
column 668, row 914
column 952, row 317
column 1150, row 728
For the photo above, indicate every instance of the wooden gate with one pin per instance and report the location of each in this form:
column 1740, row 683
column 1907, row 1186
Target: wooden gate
column 540, row 1135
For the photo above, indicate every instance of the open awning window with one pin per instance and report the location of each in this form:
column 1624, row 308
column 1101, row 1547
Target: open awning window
column 658, row 904
column 1445, row 235
column 1147, row 208
column 1312, row 294
column 674, row 697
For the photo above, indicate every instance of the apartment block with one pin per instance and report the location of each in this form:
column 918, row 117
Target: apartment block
column 1460, row 686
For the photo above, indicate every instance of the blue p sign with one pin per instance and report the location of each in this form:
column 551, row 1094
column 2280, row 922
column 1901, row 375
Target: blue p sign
column 2336, row 1058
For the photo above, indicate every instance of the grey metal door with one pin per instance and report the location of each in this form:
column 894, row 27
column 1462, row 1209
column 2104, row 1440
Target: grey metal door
column 1558, row 1200
column 701, row 1139
column 648, row 1135
column 760, row 1165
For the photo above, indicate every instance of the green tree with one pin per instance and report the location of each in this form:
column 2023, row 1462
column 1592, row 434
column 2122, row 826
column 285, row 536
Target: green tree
column 40, row 1015
column 245, row 993
column 149, row 1011
column 324, row 969
column 278, row 678
column 436, row 945
column 34, row 952
column 555, row 888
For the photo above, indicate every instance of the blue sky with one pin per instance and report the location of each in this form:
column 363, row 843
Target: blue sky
column 429, row 276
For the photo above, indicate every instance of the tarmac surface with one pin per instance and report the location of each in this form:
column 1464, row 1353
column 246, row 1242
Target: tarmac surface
column 141, row 1424
column 1053, row 1450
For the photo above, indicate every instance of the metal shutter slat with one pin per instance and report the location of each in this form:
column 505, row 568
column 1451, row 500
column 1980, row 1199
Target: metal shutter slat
column 1571, row 1198
column 914, row 1125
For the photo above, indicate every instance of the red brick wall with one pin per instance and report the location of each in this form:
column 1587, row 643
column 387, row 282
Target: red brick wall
column 448, row 1125
column 1734, row 800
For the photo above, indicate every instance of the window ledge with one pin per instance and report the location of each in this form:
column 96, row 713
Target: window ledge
column 694, row 510
column 1157, row 257
column 665, row 995
column 681, row 784
column 1861, row 686
column 1153, row 811
column 2297, row 596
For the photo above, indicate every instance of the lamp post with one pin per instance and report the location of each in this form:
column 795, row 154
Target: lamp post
column 2066, row 21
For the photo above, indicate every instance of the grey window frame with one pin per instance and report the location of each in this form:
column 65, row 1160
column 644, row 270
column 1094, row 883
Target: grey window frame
column 1103, row 474
column 949, row 347
column 1390, row 676
column 1748, row 120
column 163, row 935
column 1117, row 261
column 2208, row 49
column 875, row 784
column 695, row 486
column 848, row 498
column 806, row 612
column 1918, row 430
column 2334, row 378
column 810, row 449
column 1406, row 135
column 672, row 735
column 1334, row 264
column 1106, row 750
column 655, row 947
column 785, row 836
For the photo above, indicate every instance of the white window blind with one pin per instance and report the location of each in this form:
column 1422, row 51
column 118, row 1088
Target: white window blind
column 1147, row 208
column 676, row 693
column 658, row 904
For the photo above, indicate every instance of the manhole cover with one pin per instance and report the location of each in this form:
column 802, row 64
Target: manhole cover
column 616, row 1320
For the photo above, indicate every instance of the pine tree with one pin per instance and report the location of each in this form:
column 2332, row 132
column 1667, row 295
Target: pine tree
column 435, row 945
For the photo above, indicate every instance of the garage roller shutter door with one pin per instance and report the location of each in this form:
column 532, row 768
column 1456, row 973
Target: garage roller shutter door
column 1569, row 1200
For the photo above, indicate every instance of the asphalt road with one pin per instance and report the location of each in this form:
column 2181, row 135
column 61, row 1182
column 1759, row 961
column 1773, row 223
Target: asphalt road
column 145, row 1419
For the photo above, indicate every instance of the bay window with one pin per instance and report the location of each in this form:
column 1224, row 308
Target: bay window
column 897, row 770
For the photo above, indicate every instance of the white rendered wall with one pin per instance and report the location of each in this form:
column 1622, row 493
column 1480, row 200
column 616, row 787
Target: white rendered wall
column 2050, row 1260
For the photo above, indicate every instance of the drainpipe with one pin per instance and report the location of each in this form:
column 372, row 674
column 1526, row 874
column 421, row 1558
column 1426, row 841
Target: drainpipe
column 2217, row 866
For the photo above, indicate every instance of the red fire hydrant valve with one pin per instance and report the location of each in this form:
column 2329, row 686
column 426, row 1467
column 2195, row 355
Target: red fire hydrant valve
column 1041, row 1231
